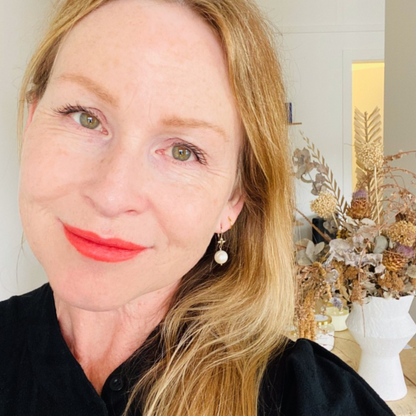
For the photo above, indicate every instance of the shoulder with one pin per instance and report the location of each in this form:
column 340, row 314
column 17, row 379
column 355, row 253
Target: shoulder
column 21, row 308
column 307, row 380
column 19, row 313
column 19, row 317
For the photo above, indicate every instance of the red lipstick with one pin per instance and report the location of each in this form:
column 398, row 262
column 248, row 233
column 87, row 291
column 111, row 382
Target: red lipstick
column 110, row 250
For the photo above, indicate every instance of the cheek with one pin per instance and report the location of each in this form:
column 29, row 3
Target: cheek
column 189, row 215
column 46, row 176
column 47, row 170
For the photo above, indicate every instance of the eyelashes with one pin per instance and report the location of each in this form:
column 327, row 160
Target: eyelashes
column 90, row 120
column 197, row 152
column 84, row 117
column 71, row 109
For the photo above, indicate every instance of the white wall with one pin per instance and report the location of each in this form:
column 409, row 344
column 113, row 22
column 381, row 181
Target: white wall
column 302, row 14
column 400, row 78
column 400, row 84
column 20, row 21
column 319, row 41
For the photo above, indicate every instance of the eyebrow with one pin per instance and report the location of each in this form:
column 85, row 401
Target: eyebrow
column 193, row 123
column 92, row 86
column 173, row 121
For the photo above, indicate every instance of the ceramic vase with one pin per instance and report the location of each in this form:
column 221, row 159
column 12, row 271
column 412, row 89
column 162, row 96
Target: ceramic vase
column 382, row 328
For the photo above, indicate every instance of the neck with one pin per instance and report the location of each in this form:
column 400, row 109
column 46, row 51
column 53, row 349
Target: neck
column 101, row 341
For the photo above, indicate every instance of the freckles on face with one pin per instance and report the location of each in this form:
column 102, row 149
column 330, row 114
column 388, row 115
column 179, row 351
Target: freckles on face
column 137, row 143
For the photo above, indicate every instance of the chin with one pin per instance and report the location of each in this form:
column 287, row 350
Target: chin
column 85, row 297
column 100, row 292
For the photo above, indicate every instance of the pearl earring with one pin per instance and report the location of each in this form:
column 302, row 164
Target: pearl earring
column 221, row 256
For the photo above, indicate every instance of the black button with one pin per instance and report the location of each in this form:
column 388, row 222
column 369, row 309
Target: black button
column 116, row 384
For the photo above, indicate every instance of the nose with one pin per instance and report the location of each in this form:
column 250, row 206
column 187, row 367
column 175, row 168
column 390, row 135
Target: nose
column 117, row 183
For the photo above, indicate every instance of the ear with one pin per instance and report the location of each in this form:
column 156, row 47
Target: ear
column 231, row 211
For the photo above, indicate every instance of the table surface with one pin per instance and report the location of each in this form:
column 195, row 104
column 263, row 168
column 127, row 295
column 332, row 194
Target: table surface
column 349, row 351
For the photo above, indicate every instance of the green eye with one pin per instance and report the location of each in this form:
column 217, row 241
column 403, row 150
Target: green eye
column 181, row 153
column 88, row 121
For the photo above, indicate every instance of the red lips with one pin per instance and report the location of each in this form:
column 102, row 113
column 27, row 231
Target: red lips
column 110, row 250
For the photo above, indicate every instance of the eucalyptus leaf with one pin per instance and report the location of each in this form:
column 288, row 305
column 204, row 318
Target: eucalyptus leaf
column 303, row 243
column 319, row 247
column 310, row 251
column 381, row 244
column 322, row 169
column 380, row 269
column 341, row 245
column 411, row 271
column 320, row 178
column 300, row 172
column 330, row 226
column 302, row 259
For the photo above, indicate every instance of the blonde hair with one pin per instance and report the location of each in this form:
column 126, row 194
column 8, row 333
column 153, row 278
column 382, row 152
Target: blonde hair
column 224, row 323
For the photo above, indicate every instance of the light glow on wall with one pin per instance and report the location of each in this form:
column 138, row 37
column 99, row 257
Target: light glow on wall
column 367, row 94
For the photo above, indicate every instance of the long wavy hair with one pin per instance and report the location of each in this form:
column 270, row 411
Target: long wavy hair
column 225, row 322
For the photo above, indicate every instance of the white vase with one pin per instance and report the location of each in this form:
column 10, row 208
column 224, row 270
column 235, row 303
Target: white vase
column 382, row 328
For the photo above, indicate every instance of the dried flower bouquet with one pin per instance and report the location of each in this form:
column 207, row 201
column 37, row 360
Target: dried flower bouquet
column 374, row 252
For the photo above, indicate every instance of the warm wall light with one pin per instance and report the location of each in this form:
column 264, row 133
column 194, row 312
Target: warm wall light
column 367, row 94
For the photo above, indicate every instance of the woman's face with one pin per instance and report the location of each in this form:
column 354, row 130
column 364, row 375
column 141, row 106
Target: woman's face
column 136, row 139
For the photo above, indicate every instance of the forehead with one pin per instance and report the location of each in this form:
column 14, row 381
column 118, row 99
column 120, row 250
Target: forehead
column 150, row 53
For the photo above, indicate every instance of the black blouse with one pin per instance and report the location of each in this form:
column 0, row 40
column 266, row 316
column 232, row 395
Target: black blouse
column 40, row 377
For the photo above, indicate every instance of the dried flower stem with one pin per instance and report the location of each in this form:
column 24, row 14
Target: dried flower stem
column 330, row 182
column 377, row 201
column 395, row 169
column 313, row 184
column 335, row 219
column 399, row 155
